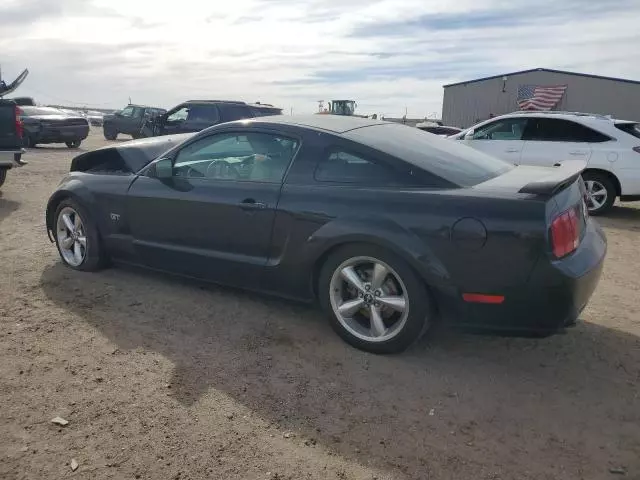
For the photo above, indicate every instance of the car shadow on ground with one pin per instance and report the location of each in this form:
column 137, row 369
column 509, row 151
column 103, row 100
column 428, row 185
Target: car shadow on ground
column 55, row 148
column 451, row 402
column 622, row 217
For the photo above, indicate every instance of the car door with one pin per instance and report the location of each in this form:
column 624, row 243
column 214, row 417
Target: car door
column 200, row 117
column 213, row 217
column 231, row 112
column 124, row 120
column 501, row 138
column 173, row 121
column 554, row 140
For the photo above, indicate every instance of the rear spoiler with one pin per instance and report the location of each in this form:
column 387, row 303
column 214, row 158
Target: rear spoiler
column 559, row 178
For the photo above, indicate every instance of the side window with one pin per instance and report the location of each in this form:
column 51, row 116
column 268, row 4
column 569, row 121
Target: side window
column 179, row 115
column 127, row 112
column 236, row 112
column 137, row 112
column 347, row 168
column 203, row 113
column 244, row 156
column 503, row 129
column 558, row 130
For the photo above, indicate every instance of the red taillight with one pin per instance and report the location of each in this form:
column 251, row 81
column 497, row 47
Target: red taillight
column 565, row 233
column 19, row 126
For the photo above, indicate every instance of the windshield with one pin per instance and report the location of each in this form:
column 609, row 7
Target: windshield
column 452, row 161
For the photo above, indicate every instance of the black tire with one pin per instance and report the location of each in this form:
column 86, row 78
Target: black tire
column 110, row 134
column 421, row 308
column 29, row 142
column 3, row 175
column 608, row 185
column 73, row 144
column 95, row 254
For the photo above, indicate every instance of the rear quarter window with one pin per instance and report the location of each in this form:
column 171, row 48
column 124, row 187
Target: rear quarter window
column 630, row 128
column 452, row 161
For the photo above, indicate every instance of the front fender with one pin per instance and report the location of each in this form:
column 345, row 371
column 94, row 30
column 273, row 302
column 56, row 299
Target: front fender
column 69, row 187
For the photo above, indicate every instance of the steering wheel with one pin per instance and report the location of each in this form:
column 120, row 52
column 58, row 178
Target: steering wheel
column 221, row 169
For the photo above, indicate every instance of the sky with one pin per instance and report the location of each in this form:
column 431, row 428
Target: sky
column 391, row 56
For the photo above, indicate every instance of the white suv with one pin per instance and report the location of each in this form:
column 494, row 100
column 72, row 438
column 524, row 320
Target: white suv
column 610, row 148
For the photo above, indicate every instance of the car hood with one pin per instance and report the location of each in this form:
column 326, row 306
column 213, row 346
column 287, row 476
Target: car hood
column 127, row 156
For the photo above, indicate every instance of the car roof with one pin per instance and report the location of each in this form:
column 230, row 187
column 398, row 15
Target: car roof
column 330, row 123
column 234, row 102
column 583, row 116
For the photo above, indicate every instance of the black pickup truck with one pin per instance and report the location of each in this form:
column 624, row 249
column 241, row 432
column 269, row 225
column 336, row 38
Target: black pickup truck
column 129, row 120
column 11, row 130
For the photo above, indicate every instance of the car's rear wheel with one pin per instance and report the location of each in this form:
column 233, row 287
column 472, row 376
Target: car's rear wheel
column 375, row 301
column 601, row 193
column 73, row 143
column 77, row 237
column 28, row 141
column 110, row 134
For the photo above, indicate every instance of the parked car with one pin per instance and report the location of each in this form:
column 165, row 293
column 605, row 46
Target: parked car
column 610, row 149
column 129, row 121
column 195, row 115
column 10, row 138
column 23, row 101
column 51, row 125
column 385, row 226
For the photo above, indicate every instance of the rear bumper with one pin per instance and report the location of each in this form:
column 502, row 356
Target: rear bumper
column 54, row 134
column 554, row 296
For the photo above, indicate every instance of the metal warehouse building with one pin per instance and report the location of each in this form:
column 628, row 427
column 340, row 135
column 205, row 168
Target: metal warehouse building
column 466, row 103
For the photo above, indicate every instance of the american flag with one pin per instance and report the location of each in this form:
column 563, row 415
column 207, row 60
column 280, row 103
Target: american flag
column 534, row 97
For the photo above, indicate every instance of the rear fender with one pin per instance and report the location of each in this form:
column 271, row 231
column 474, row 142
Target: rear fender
column 384, row 233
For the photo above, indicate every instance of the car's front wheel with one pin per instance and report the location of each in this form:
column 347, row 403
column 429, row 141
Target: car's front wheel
column 77, row 237
column 73, row 143
column 374, row 299
column 601, row 193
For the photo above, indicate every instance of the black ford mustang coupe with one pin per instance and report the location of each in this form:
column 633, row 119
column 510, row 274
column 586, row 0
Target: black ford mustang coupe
column 387, row 227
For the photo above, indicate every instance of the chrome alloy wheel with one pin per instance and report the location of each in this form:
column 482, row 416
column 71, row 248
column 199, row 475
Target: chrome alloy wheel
column 596, row 194
column 71, row 236
column 369, row 299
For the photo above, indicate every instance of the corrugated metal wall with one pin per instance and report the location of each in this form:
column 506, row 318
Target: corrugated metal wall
column 465, row 104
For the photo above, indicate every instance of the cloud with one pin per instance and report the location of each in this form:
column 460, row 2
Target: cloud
column 385, row 54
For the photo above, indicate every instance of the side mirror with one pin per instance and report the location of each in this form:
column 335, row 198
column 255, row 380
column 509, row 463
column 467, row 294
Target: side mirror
column 164, row 168
column 469, row 134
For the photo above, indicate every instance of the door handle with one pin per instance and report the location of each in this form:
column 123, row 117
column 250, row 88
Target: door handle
column 578, row 152
column 251, row 204
column 512, row 150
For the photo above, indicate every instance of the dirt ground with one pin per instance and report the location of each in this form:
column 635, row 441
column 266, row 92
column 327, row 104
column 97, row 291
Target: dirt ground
column 162, row 378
